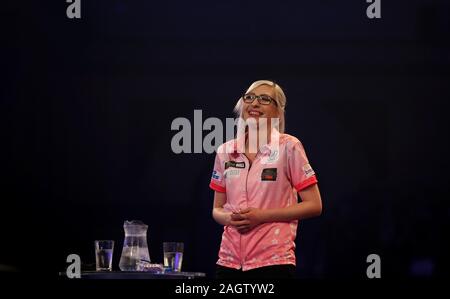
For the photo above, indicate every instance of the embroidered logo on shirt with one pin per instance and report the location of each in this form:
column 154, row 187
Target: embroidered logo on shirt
column 309, row 172
column 272, row 158
column 234, row 164
column 216, row 175
column 269, row 174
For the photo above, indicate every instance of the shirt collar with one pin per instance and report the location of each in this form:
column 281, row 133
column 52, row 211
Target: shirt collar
column 239, row 144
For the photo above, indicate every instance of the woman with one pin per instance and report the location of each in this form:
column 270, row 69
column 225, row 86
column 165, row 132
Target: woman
column 256, row 190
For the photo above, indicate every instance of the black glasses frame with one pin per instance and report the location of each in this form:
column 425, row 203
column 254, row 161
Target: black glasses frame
column 262, row 99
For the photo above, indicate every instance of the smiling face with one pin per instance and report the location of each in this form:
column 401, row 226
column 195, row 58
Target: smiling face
column 256, row 110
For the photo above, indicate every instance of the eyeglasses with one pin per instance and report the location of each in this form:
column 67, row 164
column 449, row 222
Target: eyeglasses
column 262, row 99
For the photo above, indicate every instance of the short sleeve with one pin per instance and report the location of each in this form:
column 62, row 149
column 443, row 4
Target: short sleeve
column 217, row 182
column 300, row 171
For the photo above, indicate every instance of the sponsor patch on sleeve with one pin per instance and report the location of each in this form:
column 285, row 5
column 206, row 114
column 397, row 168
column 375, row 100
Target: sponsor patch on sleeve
column 216, row 176
column 307, row 169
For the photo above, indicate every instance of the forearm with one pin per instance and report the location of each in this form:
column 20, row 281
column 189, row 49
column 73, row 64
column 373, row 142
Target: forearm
column 222, row 216
column 298, row 211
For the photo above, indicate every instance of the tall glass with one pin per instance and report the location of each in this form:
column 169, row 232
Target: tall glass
column 103, row 255
column 173, row 256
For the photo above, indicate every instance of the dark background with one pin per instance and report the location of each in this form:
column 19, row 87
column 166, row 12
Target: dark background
column 87, row 105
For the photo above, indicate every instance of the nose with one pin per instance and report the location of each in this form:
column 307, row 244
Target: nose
column 255, row 103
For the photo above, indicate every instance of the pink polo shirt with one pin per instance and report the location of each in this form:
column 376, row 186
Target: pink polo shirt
column 273, row 180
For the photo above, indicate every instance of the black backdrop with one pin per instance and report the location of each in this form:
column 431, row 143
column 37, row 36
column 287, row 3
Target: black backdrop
column 87, row 105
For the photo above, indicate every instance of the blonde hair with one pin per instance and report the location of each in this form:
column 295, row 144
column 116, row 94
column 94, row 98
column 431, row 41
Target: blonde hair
column 280, row 99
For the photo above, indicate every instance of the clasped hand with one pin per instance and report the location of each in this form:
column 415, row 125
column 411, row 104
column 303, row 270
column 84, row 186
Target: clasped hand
column 246, row 219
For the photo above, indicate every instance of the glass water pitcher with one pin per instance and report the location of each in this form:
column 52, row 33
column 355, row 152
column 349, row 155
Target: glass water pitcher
column 135, row 248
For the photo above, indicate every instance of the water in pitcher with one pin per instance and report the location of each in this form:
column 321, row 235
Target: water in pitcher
column 130, row 258
column 135, row 248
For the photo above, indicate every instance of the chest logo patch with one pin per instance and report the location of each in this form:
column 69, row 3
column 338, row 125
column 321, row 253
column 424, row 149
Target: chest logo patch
column 234, row 164
column 269, row 174
column 232, row 173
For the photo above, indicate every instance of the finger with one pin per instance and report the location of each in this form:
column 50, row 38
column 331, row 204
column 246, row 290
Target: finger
column 236, row 217
column 239, row 217
column 246, row 210
column 239, row 222
column 234, row 223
